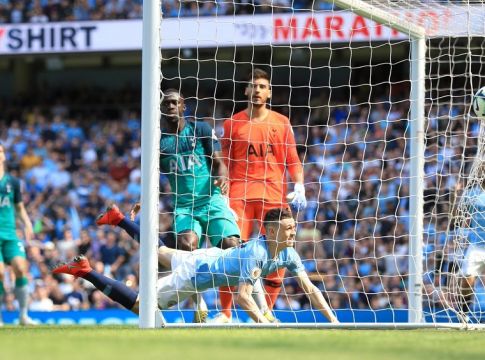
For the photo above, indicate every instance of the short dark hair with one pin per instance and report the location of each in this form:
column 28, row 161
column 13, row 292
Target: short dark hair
column 171, row 90
column 274, row 216
column 258, row 73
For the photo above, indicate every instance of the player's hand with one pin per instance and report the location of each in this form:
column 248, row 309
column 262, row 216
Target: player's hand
column 29, row 234
column 135, row 210
column 223, row 184
column 297, row 199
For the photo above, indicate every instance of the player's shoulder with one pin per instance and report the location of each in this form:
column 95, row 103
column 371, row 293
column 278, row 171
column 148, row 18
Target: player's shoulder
column 276, row 116
column 241, row 115
column 14, row 183
column 290, row 254
column 200, row 124
column 200, row 127
column 256, row 247
column 12, row 179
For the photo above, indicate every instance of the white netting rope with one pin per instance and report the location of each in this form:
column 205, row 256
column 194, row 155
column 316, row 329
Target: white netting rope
column 352, row 130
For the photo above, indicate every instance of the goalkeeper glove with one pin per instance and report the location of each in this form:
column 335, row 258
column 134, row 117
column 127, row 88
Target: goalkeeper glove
column 297, row 198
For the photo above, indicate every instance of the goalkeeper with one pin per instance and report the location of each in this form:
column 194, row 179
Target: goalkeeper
column 259, row 148
column 202, row 269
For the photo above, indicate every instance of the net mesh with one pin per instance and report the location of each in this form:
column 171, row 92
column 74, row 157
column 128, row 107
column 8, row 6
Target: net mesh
column 345, row 88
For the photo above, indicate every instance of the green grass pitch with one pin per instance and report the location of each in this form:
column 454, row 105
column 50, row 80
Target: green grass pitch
column 92, row 343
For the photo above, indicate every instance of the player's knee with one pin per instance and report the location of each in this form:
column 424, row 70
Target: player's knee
column 19, row 268
column 187, row 241
column 229, row 242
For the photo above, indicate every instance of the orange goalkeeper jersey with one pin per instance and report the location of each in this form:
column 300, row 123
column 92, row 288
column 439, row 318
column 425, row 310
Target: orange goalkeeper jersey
column 257, row 155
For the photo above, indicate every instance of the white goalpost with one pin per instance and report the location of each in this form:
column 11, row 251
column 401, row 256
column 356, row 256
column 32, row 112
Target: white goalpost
column 381, row 164
column 150, row 145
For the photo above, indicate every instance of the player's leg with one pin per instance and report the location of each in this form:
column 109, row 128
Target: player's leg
column 189, row 233
column 220, row 223
column 467, row 285
column 272, row 285
column 171, row 258
column 244, row 213
column 113, row 216
column 178, row 286
column 173, row 289
column 14, row 254
column 2, row 281
column 472, row 266
column 115, row 290
column 187, row 240
column 188, row 229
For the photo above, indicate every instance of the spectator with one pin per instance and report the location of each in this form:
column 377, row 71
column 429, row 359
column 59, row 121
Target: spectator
column 40, row 299
column 355, row 226
column 112, row 255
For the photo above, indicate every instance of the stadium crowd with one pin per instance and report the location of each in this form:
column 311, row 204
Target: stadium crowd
column 42, row 11
column 353, row 235
column 39, row 11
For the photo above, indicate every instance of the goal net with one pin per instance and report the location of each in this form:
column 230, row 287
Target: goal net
column 369, row 237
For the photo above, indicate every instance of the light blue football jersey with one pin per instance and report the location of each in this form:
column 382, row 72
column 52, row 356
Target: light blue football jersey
column 245, row 263
column 475, row 201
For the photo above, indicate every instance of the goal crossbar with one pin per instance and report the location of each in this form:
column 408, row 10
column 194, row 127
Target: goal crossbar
column 385, row 18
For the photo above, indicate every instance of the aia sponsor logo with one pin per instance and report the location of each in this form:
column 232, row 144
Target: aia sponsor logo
column 260, row 150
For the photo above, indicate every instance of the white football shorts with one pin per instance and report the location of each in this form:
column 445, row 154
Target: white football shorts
column 177, row 286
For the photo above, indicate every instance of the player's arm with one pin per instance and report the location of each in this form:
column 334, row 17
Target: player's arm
column 315, row 296
column 219, row 171
column 212, row 148
column 297, row 198
column 24, row 217
column 21, row 212
column 246, row 302
column 226, row 142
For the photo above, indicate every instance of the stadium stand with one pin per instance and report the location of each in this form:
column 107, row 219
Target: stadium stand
column 76, row 157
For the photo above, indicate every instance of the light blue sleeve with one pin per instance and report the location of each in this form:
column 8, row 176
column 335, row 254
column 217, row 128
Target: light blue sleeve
column 251, row 264
column 294, row 263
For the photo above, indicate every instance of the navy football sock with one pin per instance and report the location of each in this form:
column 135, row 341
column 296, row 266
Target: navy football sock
column 133, row 230
column 113, row 289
